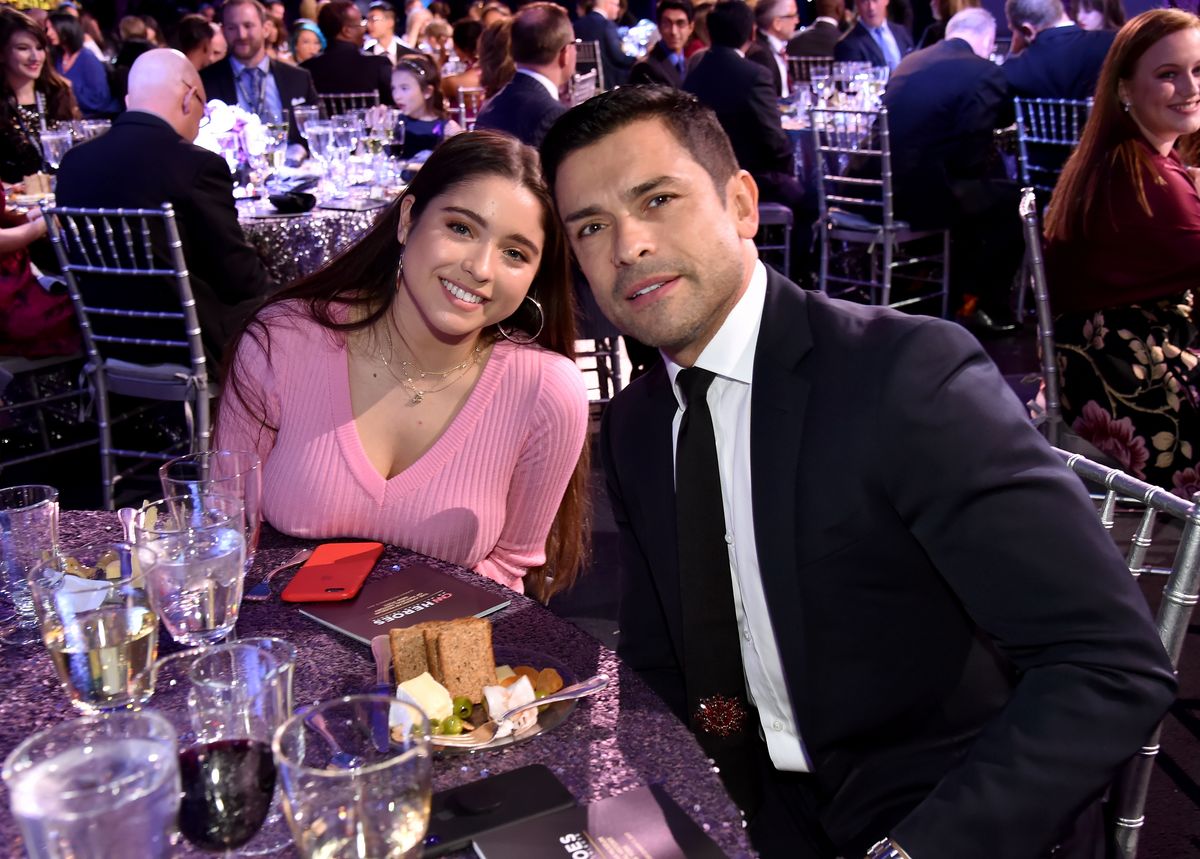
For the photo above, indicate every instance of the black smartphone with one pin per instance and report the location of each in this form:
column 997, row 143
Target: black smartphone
column 461, row 813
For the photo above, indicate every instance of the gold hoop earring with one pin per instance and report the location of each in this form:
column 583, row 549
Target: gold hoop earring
column 523, row 338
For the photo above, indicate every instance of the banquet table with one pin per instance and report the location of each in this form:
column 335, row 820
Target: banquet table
column 621, row 738
column 292, row 246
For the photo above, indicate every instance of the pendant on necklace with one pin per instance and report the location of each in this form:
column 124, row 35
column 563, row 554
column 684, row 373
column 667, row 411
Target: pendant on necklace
column 416, row 398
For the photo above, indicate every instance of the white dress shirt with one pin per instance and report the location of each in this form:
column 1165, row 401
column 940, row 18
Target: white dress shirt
column 730, row 355
column 543, row 80
column 376, row 49
column 270, row 105
column 778, row 47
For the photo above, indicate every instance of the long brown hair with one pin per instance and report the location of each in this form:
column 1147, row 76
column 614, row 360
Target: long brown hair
column 363, row 277
column 60, row 102
column 496, row 66
column 1110, row 138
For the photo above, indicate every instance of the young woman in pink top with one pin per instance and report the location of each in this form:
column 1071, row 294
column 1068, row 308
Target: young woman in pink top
column 420, row 389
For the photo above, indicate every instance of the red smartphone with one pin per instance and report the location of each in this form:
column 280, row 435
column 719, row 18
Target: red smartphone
column 336, row 571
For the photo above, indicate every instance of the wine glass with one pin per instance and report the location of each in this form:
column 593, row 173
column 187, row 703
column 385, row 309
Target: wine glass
column 236, row 473
column 96, row 786
column 348, row 788
column 225, row 703
column 97, row 622
column 320, row 146
column 345, row 141
column 821, row 83
column 28, row 535
column 303, row 116
column 197, row 567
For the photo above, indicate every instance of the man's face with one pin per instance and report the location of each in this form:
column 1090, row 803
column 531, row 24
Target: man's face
column 872, row 12
column 675, row 29
column 611, row 9
column 218, row 47
column 664, row 255
column 380, row 25
column 353, row 27
column 244, row 32
column 784, row 25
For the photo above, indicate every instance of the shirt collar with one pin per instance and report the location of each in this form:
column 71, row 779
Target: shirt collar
column 730, row 354
column 265, row 65
column 827, row 20
column 775, row 42
column 543, row 80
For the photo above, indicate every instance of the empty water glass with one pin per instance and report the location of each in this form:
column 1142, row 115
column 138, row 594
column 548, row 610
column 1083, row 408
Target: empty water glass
column 303, row 115
column 95, row 787
column 28, row 535
column 55, row 145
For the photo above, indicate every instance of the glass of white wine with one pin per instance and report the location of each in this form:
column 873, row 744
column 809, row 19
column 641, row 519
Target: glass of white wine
column 347, row 790
column 97, row 623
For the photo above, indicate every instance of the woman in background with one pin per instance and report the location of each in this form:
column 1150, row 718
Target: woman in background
column 1123, row 256
column 496, row 66
column 307, row 40
column 943, row 11
column 420, row 390
column 1100, row 14
column 88, row 76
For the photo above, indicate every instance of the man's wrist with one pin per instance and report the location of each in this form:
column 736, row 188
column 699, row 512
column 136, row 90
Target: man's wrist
column 887, row 849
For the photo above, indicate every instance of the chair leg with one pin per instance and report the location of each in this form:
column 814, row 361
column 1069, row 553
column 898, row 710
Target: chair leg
column 107, row 459
column 889, row 249
column 35, row 394
column 823, row 269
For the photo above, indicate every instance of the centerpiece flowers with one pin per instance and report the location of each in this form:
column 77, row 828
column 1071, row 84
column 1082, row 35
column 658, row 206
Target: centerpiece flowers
column 237, row 135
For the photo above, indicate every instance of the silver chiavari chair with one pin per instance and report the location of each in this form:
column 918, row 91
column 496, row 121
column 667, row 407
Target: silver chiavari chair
column 802, row 69
column 38, row 386
column 1051, row 420
column 863, row 245
column 774, row 237
column 336, row 103
column 1180, row 595
column 470, row 102
column 587, row 58
column 583, row 86
column 1053, row 126
column 129, row 283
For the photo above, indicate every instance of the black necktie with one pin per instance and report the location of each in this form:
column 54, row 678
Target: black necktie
column 712, row 657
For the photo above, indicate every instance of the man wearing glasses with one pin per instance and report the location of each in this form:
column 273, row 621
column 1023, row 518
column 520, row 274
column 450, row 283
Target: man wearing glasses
column 776, row 21
column 148, row 159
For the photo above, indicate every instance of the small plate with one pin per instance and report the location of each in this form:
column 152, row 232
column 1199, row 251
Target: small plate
column 549, row 719
column 29, row 199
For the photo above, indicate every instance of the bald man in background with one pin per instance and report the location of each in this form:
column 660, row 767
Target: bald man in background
column 148, row 159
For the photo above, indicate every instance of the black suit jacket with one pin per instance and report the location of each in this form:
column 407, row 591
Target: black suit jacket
column 818, row 40
column 594, row 27
column 761, row 52
column 966, row 654
column 1062, row 62
column 740, row 94
column 523, row 109
column 858, row 45
column 943, row 103
column 656, row 68
column 344, row 68
column 142, row 163
column 295, row 87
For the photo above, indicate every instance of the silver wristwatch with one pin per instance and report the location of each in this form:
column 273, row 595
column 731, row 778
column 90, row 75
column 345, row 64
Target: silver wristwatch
column 887, row 849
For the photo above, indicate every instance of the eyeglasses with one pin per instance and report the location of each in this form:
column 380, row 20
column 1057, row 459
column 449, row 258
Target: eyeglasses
column 204, row 111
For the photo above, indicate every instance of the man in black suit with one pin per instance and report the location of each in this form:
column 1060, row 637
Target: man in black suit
column 776, row 24
column 665, row 64
column 597, row 24
column 944, row 103
column 148, row 159
column 820, row 38
column 1053, row 58
column 944, row 651
column 250, row 79
column 543, row 48
column 874, row 39
column 343, row 67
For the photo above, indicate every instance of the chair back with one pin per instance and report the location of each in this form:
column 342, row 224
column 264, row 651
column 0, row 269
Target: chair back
column 468, row 103
column 584, row 86
column 336, row 103
column 774, row 238
column 587, row 58
column 1036, row 267
column 1047, row 131
column 853, row 164
column 802, row 69
column 1174, row 614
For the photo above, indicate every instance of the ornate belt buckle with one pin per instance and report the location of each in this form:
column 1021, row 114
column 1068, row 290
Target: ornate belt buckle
column 720, row 716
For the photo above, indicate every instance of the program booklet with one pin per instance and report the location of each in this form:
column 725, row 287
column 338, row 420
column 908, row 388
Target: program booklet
column 642, row 824
column 413, row 595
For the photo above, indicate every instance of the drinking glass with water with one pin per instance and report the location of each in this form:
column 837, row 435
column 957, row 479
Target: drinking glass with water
column 28, row 535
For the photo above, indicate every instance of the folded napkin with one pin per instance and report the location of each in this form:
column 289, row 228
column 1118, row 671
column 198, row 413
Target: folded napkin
column 293, row 201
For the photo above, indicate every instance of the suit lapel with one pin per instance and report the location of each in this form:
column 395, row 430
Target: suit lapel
column 873, row 48
column 778, row 404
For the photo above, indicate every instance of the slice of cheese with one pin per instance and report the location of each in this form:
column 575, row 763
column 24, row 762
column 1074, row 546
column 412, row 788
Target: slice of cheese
column 501, row 699
column 427, row 694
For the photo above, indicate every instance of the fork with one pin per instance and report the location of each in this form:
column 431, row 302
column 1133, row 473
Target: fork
column 262, row 590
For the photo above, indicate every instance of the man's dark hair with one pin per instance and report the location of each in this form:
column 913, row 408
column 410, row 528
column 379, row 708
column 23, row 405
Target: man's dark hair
column 466, row 36
column 384, row 7
column 191, row 32
column 69, row 30
column 332, row 18
column 684, row 6
column 539, row 32
column 692, row 124
column 730, row 24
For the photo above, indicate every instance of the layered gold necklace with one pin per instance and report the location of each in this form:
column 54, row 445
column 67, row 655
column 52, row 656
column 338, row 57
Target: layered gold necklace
column 418, row 382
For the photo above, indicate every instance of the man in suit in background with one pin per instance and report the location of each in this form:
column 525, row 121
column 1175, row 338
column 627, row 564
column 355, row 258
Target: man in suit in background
column 776, row 24
column 253, row 81
column 848, row 560
column 597, row 24
column 343, row 67
column 944, row 103
column 874, row 39
column 543, row 48
column 148, row 159
column 819, row 39
column 666, row 64
column 1052, row 57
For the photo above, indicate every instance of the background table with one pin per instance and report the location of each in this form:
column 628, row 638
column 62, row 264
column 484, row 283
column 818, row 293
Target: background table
column 292, row 246
column 619, row 739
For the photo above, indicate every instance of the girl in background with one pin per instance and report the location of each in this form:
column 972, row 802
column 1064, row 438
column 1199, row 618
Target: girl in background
column 417, row 92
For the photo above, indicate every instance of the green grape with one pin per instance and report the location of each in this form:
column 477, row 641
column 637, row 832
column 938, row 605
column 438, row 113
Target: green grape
column 463, row 707
column 451, row 725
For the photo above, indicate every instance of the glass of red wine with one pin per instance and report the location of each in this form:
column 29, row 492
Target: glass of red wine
column 225, row 703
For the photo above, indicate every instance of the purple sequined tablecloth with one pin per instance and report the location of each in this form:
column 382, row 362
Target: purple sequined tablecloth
column 295, row 246
column 621, row 738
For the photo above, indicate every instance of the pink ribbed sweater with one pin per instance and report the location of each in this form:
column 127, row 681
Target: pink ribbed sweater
column 483, row 496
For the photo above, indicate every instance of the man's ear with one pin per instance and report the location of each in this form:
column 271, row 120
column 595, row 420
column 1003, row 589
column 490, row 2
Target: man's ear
column 741, row 195
column 1028, row 32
